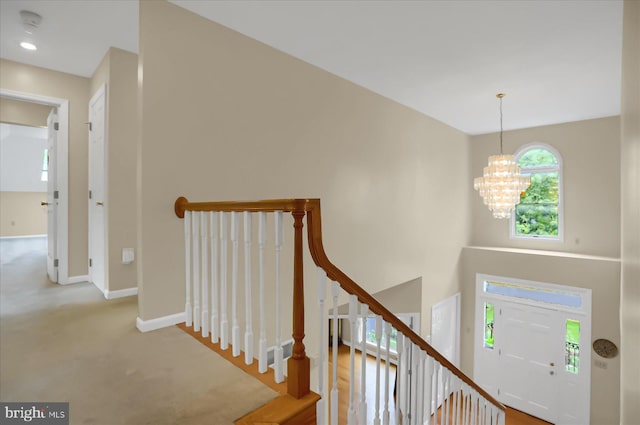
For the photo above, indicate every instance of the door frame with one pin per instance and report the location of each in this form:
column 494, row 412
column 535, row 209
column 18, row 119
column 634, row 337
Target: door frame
column 62, row 170
column 583, row 312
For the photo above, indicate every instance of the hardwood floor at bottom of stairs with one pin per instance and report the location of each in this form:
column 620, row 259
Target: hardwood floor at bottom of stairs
column 513, row 417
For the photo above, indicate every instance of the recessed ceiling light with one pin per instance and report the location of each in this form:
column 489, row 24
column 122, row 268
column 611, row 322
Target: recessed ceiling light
column 28, row 46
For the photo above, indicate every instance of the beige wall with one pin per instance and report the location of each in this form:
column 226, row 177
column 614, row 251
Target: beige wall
column 244, row 121
column 403, row 298
column 119, row 71
column 630, row 167
column 588, row 257
column 600, row 274
column 590, row 153
column 24, row 113
column 21, row 214
column 29, row 79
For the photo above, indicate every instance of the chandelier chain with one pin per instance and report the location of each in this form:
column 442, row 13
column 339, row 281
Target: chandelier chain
column 501, row 149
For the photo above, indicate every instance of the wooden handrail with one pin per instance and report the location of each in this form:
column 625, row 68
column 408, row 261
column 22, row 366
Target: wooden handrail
column 314, row 235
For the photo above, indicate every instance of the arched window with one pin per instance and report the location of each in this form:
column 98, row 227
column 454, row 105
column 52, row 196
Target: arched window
column 539, row 213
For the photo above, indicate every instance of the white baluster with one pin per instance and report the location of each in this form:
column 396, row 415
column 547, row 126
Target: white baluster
column 416, row 383
column 435, row 395
column 501, row 418
column 322, row 293
column 213, row 240
column 387, row 333
column 353, row 315
column 465, row 404
column 224, row 321
column 235, row 327
column 262, row 236
column 446, row 401
column 188, row 309
column 428, row 394
column 195, row 236
column 334, row 352
column 248, row 330
column 376, row 420
column 495, row 416
column 421, row 404
column 487, row 412
column 457, row 407
column 453, row 386
column 407, row 389
column 204, row 235
column 399, row 378
column 364, row 313
column 278, row 360
column 474, row 407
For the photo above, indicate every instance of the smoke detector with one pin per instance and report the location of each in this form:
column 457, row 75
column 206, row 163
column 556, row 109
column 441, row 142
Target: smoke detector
column 30, row 21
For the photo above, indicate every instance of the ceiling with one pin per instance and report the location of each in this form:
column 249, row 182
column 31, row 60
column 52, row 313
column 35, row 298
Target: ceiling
column 557, row 61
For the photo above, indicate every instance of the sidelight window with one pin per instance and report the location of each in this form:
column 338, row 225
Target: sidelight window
column 488, row 325
column 572, row 346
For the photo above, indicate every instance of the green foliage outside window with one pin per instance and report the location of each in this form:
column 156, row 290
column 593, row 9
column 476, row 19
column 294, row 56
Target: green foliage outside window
column 572, row 346
column 537, row 158
column 488, row 325
column 537, row 212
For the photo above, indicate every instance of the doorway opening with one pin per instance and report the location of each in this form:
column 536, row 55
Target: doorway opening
column 57, row 187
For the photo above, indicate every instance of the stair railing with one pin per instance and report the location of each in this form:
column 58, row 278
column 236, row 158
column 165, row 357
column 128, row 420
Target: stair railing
column 428, row 388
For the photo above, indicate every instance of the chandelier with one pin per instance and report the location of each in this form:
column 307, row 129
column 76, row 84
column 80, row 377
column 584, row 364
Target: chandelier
column 501, row 183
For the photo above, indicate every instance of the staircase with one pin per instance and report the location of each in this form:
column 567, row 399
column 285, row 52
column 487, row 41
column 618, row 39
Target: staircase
column 220, row 301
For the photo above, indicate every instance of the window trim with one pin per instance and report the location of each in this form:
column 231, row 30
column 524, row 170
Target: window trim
column 545, row 169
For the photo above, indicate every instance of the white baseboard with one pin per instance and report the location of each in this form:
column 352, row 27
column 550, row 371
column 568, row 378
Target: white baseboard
column 160, row 322
column 120, row 293
column 23, row 236
column 74, row 279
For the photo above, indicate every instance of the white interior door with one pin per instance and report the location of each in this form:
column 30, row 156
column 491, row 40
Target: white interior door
column 445, row 328
column 445, row 335
column 52, row 207
column 97, row 189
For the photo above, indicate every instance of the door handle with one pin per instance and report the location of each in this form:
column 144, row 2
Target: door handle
column 99, row 203
column 551, row 364
column 43, row 203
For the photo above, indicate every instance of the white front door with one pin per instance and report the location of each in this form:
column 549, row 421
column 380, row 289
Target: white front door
column 528, row 340
column 531, row 351
column 97, row 190
column 52, row 208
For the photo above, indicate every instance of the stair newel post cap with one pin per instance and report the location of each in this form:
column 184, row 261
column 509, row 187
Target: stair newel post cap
column 180, row 206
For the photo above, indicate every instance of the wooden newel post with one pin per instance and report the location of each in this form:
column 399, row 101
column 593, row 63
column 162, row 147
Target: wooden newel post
column 298, row 366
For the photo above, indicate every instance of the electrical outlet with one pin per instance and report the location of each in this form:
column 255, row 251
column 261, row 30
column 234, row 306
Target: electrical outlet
column 600, row 364
column 127, row 255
